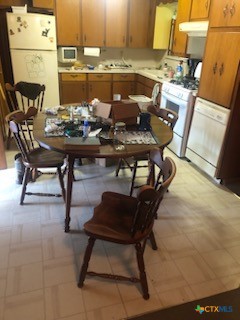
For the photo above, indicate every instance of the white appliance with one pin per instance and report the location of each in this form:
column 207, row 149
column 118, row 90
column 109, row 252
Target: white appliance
column 32, row 42
column 180, row 100
column 206, row 135
column 194, row 28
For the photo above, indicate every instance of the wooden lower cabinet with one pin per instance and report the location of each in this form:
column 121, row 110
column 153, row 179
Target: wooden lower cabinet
column 99, row 86
column 100, row 90
column 77, row 87
column 144, row 86
column 73, row 88
column 124, row 84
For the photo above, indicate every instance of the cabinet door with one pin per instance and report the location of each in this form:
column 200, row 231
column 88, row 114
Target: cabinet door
column 68, row 22
column 225, row 13
column 73, row 88
column 73, row 92
column 101, row 90
column 139, row 19
column 200, row 9
column 93, row 22
column 124, row 88
column 48, row 4
column 220, row 67
column 116, row 23
column 179, row 44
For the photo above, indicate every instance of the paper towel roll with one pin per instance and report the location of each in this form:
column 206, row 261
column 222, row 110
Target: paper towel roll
column 92, row 52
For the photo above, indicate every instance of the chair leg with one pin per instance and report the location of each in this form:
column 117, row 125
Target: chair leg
column 141, row 267
column 86, row 259
column 153, row 241
column 25, row 182
column 60, row 177
column 120, row 162
column 133, row 177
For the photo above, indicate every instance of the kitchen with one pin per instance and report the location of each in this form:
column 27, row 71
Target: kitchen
column 129, row 48
column 207, row 222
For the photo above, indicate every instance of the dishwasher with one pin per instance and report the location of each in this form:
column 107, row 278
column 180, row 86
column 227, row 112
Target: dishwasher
column 207, row 132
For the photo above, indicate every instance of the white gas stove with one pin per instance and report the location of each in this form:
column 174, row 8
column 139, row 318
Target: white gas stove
column 181, row 100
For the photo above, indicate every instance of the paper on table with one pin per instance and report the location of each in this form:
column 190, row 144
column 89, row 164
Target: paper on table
column 94, row 133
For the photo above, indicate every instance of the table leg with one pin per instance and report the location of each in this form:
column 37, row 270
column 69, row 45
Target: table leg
column 69, row 191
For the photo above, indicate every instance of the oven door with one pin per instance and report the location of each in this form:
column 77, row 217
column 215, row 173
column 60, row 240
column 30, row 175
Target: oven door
column 180, row 107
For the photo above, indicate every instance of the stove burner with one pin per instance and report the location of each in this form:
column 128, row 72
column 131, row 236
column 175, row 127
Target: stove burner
column 190, row 84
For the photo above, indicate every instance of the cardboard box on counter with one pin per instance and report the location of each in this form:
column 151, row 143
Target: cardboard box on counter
column 123, row 110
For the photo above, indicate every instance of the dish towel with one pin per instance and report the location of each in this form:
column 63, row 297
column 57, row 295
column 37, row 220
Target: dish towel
column 155, row 93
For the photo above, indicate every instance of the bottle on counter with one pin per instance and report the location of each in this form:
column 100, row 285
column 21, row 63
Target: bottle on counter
column 165, row 69
column 179, row 71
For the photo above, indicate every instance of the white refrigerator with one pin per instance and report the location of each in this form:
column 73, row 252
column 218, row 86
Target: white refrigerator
column 33, row 48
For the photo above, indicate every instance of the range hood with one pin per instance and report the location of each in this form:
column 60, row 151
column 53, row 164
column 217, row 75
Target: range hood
column 194, row 28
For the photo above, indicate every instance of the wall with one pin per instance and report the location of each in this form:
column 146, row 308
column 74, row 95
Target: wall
column 138, row 58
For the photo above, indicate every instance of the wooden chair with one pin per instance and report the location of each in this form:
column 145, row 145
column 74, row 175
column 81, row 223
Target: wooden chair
column 33, row 157
column 23, row 95
column 127, row 220
column 170, row 118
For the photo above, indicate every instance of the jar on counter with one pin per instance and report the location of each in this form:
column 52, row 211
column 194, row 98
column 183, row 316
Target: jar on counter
column 119, row 135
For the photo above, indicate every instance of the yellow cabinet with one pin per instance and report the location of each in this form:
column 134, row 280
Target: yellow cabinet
column 93, row 22
column 200, row 10
column 68, row 22
column 179, row 45
column 225, row 13
column 162, row 28
column 116, row 23
column 220, row 67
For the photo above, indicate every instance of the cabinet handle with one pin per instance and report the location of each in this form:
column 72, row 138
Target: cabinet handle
column 206, row 5
column 232, row 9
column 85, row 38
column 221, row 69
column 123, row 39
column 77, row 37
column 74, row 75
column 215, row 68
column 225, row 10
column 99, row 75
column 130, row 39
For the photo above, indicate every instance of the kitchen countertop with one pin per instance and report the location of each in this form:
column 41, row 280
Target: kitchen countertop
column 153, row 74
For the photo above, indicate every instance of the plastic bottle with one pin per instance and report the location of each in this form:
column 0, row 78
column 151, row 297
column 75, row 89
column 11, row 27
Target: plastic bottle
column 179, row 73
column 85, row 128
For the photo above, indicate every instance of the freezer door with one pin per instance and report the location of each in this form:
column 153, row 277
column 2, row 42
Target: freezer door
column 38, row 67
column 31, row 31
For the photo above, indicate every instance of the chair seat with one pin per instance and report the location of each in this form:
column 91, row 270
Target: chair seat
column 113, row 219
column 42, row 158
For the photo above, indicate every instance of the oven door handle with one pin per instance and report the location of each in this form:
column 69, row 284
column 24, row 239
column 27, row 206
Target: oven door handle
column 174, row 99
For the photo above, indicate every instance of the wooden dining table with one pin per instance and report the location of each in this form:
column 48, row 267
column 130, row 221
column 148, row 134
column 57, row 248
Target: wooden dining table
column 162, row 133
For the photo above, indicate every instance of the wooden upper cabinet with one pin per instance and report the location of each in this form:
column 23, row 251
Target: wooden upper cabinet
column 225, row 13
column 179, row 45
column 47, row 4
column 220, row 67
column 68, row 22
column 139, row 21
column 93, row 22
column 116, row 23
column 200, row 10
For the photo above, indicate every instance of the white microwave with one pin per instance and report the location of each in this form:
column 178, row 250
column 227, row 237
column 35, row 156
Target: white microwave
column 67, row 54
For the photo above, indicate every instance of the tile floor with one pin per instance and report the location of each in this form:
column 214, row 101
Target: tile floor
column 197, row 232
